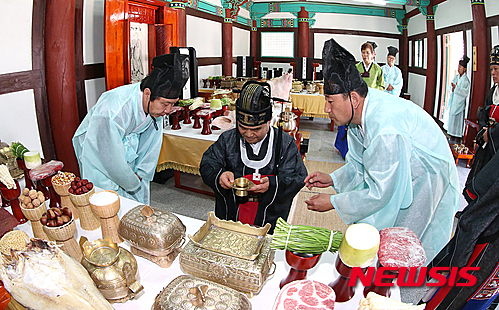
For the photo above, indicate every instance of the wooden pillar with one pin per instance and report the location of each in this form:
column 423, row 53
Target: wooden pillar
column 431, row 62
column 61, row 79
column 303, row 31
column 227, row 44
column 404, row 56
column 253, row 39
column 480, row 58
column 180, row 7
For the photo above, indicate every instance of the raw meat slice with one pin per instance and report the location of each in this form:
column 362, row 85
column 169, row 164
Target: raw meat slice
column 400, row 247
column 46, row 170
column 305, row 295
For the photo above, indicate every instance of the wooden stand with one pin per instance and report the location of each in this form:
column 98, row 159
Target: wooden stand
column 381, row 290
column 340, row 285
column 206, row 124
column 34, row 216
column 27, row 180
column 64, row 236
column 88, row 220
column 176, row 122
column 197, row 122
column 187, row 116
column 55, row 200
column 12, row 197
column 109, row 219
column 62, row 191
column 300, row 264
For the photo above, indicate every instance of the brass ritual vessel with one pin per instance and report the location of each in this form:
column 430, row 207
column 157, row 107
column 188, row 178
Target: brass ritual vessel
column 288, row 119
column 113, row 269
column 241, row 186
column 296, row 86
column 311, row 87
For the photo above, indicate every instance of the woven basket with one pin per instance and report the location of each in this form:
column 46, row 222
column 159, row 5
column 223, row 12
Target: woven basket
column 62, row 191
column 34, row 216
column 109, row 219
column 64, row 236
column 88, row 219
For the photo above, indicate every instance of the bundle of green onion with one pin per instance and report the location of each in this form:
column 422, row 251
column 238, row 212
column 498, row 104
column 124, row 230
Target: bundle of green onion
column 18, row 149
column 305, row 239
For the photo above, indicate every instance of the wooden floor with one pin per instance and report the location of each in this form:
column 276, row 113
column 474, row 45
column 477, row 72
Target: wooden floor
column 300, row 215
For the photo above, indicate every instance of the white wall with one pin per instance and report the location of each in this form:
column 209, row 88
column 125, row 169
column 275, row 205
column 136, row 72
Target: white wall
column 416, row 25
column 93, row 89
column 491, row 7
column 15, row 36
column 205, row 36
column 356, row 22
column 416, row 87
column 93, row 31
column 353, row 44
column 240, row 42
column 18, row 119
column 452, row 12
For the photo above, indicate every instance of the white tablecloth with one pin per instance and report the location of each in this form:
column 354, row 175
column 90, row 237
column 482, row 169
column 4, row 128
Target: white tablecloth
column 155, row 278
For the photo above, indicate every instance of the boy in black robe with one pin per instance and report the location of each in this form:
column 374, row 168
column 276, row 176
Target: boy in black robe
column 250, row 150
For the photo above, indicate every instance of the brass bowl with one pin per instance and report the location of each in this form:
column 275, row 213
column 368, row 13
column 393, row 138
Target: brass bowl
column 101, row 252
column 242, row 185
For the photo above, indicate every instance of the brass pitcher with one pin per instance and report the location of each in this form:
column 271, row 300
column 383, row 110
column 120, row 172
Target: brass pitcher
column 113, row 269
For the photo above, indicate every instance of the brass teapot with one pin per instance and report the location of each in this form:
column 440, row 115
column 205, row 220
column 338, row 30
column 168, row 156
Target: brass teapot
column 113, row 269
column 288, row 119
column 311, row 88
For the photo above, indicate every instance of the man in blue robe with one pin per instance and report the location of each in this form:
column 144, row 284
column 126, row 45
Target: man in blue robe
column 117, row 144
column 399, row 169
column 392, row 74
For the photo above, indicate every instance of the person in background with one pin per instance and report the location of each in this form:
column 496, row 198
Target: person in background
column 394, row 175
column 369, row 70
column 259, row 152
column 391, row 74
column 488, row 136
column 118, row 144
column 460, row 87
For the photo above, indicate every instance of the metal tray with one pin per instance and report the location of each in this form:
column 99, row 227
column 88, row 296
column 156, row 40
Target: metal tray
column 230, row 238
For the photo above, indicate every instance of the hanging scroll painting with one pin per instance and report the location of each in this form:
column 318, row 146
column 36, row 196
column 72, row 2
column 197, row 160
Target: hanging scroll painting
column 139, row 67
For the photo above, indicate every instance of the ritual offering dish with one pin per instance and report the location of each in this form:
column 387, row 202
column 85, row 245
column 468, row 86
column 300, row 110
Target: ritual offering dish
column 311, row 87
column 241, row 186
column 113, row 269
column 399, row 247
column 305, row 294
column 175, row 113
column 15, row 240
column 300, row 263
column 61, row 182
column 43, row 174
column 62, row 234
column 230, row 253
column 32, row 160
column 10, row 192
column 106, row 205
column 33, row 207
column 206, row 116
column 153, row 233
column 357, row 249
column 43, row 277
column 187, row 292
column 80, row 199
column 297, row 86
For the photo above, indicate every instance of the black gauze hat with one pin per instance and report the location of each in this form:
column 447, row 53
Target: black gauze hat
column 254, row 106
column 392, row 51
column 169, row 74
column 340, row 73
column 373, row 44
column 494, row 56
column 464, row 62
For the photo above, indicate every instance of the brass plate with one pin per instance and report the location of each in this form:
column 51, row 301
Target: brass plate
column 230, row 238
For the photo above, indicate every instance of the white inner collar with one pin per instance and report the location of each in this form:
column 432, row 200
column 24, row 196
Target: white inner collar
column 257, row 164
column 495, row 96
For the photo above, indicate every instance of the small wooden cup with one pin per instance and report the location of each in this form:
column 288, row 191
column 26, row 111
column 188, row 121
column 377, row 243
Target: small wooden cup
column 62, row 191
column 64, row 236
column 88, row 219
column 34, row 216
column 109, row 219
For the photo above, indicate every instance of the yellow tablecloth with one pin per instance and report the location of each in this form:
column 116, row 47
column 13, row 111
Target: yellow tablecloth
column 312, row 105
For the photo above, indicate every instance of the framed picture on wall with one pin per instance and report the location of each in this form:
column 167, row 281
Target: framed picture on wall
column 139, row 66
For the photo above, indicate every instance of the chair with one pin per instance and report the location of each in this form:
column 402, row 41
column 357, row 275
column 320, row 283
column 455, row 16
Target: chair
column 471, row 148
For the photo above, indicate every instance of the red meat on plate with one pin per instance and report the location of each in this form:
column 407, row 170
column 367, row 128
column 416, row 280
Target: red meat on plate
column 400, row 247
column 46, row 170
column 305, row 295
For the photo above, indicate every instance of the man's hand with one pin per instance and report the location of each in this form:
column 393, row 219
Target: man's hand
column 453, row 86
column 390, row 87
column 260, row 188
column 226, row 179
column 485, row 137
column 318, row 179
column 319, row 202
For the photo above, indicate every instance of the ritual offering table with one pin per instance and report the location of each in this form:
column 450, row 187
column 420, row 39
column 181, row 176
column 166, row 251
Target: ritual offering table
column 399, row 248
column 357, row 249
column 153, row 233
column 106, row 205
column 43, row 174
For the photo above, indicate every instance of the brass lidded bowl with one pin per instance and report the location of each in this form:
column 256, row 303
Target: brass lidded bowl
column 113, row 269
column 188, row 292
column 241, row 185
column 153, row 233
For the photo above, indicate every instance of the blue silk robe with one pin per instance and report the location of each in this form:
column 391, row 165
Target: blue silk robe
column 393, row 76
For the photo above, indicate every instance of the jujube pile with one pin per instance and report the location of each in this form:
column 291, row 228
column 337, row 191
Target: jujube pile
column 80, row 187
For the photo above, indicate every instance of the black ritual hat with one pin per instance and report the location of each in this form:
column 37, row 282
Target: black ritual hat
column 464, row 62
column 169, row 74
column 373, row 44
column 392, row 51
column 254, row 105
column 340, row 73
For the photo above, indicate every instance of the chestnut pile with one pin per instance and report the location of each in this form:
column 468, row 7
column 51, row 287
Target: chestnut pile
column 80, row 187
column 55, row 217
